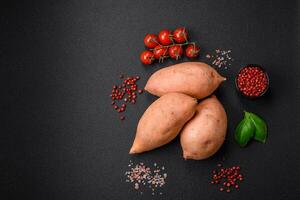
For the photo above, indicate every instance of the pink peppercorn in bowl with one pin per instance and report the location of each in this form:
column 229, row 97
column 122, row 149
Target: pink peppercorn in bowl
column 252, row 81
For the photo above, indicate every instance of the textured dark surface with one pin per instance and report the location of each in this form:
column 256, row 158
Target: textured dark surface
column 60, row 138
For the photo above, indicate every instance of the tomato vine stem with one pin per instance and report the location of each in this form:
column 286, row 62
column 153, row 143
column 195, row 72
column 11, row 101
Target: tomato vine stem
column 174, row 44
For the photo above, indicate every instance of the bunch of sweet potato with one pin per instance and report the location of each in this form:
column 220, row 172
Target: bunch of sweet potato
column 202, row 126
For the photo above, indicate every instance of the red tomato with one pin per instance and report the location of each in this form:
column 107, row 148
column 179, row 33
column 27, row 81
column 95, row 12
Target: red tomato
column 192, row 51
column 147, row 57
column 175, row 52
column 164, row 37
column 180, row 35
column 151, row 40
column 160, row 51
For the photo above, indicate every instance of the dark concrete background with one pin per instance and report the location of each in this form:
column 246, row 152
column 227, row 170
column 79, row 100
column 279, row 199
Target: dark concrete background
column 60, row 138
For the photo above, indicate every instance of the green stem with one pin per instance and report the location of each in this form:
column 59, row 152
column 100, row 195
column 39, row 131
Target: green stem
column 174, row 44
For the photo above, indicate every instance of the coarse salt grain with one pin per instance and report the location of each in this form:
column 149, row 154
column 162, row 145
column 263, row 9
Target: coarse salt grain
column 141, row 175
column 220, row 58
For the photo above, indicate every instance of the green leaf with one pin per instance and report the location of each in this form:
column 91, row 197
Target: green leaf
column 260, row 127
column 252, row 126
column 244, row 132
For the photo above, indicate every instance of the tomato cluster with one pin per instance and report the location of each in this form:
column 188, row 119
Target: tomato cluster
column 167, row 44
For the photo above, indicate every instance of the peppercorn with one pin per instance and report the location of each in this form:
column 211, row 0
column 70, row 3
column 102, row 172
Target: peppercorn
column 126, row 91
column 228, row 177
column 252, row 81
column 122, row 118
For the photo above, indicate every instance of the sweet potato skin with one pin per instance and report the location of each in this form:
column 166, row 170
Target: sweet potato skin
column 196, row 79
column 205, row 133
column 162, row 121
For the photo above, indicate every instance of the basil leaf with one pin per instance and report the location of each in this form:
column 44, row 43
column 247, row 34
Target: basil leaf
column 260, row 127
column 244, row 132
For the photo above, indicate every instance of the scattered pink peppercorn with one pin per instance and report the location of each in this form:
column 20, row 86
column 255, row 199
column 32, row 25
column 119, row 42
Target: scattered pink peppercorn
column 125, row 92
column 122, row 118
column 228, row 178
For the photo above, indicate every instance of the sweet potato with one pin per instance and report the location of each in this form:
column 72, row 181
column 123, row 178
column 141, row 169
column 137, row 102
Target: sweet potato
column 196, row 79
column 162, row 121
column 204, row 134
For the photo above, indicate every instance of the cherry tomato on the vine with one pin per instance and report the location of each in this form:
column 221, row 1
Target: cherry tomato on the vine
column 175, row 51
column 160, row 51
column 151, row 40
column 147, row 57
column 164, row 37
column 180, row 35
column 192, row 51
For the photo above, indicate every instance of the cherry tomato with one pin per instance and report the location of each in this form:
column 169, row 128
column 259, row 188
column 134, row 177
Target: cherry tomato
column 192, row 51
column 151, row 40
column 160, row 51
column 175, row 52
column 164, row 37
column 180, row 35
column 147, row 57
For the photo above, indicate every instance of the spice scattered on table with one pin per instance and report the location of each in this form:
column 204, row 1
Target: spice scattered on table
column 125, row 93
column 220, row 58
column 228, row 179
column 144, row 177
